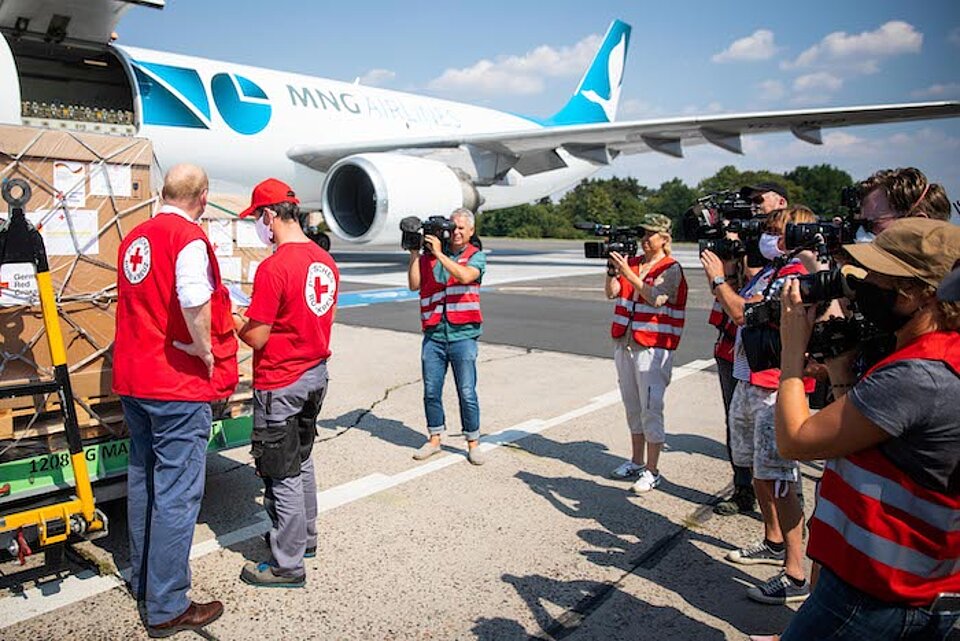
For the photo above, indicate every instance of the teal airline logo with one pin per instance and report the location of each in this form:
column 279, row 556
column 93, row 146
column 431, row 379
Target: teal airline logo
column 598, row 94
column 176, row 97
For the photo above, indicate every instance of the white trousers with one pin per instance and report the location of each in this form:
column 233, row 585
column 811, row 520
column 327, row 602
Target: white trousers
column 644, row 373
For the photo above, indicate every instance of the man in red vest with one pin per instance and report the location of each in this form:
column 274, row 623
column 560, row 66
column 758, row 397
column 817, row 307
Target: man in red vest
column 288, row 326
column 885, row 528
column 174, row 352
column 449, row 284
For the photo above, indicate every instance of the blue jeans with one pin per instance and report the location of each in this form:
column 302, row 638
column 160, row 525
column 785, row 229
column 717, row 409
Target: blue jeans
column 462, row 356
column 838, row 611
column 165, row 478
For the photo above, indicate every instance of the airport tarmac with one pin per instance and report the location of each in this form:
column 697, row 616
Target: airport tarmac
column 537, row 543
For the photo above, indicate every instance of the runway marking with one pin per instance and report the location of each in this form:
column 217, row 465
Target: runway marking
column 53, row 595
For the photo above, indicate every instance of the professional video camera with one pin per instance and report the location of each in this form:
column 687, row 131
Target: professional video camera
column 828, row 236
column 622, row 240
column 413, row 230
column 761, row 332
column 711, row 217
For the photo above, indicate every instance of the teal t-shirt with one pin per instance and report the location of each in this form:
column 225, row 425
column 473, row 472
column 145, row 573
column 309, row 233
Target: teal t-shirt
column 444, row 331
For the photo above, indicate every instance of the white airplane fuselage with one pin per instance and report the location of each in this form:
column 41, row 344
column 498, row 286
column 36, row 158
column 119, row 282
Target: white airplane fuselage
column 300, row 109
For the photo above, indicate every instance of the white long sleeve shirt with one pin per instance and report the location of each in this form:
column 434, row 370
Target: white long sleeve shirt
column 194, row 274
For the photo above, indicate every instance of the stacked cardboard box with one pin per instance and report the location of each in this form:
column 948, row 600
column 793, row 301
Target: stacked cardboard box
column 88, row 191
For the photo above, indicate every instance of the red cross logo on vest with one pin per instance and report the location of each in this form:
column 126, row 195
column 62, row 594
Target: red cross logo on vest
column 136, row 260
column 321, row 288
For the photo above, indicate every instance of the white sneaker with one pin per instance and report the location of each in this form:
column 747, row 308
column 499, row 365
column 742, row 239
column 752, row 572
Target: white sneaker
column 647, row 481
column 627, row 470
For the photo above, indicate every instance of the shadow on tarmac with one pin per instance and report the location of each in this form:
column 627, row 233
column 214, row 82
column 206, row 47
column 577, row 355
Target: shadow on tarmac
column 635, row 540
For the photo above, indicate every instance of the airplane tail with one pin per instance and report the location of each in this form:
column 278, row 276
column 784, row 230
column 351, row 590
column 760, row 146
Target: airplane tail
column 598, row 93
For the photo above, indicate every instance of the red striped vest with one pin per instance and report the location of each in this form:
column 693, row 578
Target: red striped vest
column 652, row 326
column 723, row 349
column 149, row 319
column 460, row 303
column 878, row 529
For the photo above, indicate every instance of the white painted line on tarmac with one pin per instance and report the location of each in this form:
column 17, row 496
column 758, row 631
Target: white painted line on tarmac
column 37, row 601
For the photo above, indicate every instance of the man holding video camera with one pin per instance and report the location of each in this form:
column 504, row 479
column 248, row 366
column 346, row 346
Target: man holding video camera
column 766, row 197
column 750, row 418
column 448, row 278
column 884, row 529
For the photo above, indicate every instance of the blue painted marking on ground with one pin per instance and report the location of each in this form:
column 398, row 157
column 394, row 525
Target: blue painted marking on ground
column 374, row 296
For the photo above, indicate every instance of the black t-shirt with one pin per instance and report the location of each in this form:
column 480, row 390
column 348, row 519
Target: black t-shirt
column 918, row 403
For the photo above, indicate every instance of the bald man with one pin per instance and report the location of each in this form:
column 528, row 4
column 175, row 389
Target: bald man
column 174, row 352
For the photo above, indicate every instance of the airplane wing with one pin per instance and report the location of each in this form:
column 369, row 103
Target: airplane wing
column 534, row 150
column 68, row 20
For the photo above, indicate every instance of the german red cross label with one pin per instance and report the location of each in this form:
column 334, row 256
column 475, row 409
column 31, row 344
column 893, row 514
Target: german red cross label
column 136, row 260
column 320, row 288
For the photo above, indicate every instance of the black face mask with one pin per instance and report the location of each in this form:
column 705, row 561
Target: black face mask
column 876, row 305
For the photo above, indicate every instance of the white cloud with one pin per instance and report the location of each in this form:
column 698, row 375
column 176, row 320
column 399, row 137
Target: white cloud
column 954, row 36
column 377, row 77
column 819, row 81
column 863, row 51
column 757, row 46
column 634, row 108
column 946, row 90
column 519, row 74
column 694, row 110
column 771, row 90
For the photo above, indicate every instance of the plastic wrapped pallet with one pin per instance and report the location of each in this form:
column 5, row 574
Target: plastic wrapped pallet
column 89, row 191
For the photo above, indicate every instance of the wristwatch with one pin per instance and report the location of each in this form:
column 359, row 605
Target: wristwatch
column 716, row 282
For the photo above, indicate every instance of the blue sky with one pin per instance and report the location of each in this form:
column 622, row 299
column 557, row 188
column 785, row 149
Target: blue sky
column 685, row 58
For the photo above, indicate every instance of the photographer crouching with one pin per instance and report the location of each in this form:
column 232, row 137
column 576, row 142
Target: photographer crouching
column 885, row 525
column 448, row 275
column 651, row 294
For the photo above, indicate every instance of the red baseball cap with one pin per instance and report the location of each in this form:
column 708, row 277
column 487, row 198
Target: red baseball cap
column 270, row 192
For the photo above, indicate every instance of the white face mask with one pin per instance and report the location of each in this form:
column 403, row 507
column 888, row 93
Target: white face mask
column 769, row 246
column 264, row 233
column 863, row 236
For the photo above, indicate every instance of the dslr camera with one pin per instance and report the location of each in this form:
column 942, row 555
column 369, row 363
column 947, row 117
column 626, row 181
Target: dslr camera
column 830, row 338
column 711, row 217
column 413, row 230
column 622, row 240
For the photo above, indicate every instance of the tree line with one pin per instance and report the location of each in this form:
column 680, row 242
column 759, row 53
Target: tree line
column 624, row 201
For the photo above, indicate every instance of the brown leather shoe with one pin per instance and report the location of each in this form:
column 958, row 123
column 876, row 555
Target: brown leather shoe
column 196, row 616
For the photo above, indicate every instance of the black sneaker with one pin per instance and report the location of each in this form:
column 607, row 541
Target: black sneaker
column 780, row 590
column 757, row 554
column 309, row 553
column 740, row 502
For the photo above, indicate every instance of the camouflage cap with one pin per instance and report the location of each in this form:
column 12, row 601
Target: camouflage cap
column 656, row 223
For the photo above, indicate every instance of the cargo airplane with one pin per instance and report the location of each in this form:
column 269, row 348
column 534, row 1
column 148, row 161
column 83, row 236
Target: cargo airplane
column 363, row 155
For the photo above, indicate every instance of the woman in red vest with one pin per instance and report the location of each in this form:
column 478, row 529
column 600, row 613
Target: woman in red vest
column 886, row 529
column 651, row 295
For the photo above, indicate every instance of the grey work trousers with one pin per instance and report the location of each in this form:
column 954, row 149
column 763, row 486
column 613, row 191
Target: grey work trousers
column 290, row 498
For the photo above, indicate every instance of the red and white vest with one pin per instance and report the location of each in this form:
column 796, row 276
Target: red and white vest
column 723, row 348
column 877, row 528
column 651, row 326
column 461, row 303
column 149, row 318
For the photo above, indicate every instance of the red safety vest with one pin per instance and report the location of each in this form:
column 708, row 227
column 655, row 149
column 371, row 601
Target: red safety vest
column 877, row 528
column 149, row 318
column 460, row 303
column 652, row 326
column 723, row 349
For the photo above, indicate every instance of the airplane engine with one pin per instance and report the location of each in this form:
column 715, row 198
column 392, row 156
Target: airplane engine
column 366, row 195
